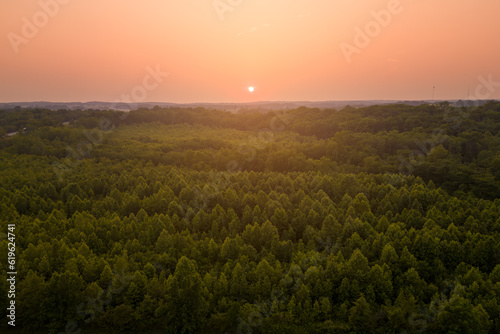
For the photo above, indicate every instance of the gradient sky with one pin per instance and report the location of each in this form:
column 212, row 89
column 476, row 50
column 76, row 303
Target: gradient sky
column 97, row 50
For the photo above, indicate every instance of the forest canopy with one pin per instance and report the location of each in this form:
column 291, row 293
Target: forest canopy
column 381, row 219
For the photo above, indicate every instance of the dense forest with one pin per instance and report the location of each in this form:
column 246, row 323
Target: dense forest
column 381, row 219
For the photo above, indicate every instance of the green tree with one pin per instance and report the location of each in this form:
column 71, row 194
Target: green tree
column 119, row 318
column 31, row 297
column 458, row 315
column 65, row 295
column 361, row 317
column 186, row 303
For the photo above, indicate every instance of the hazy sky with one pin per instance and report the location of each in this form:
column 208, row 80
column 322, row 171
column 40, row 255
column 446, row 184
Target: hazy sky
column 99, row 50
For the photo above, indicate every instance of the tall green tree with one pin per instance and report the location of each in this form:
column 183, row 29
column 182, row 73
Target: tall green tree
column 186, row 305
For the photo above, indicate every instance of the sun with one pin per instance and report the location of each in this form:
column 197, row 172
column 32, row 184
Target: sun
column 251, row 89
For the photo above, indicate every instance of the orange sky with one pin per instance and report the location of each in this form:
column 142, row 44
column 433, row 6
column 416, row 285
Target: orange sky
column 98, row 50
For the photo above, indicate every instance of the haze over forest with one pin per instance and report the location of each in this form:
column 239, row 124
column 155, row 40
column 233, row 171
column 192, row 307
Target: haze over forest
column 211, row 51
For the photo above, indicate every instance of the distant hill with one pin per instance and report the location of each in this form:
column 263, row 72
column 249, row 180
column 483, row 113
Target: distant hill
column 232, row 107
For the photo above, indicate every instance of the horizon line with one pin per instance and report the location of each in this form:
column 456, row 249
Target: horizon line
column 261, row 101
